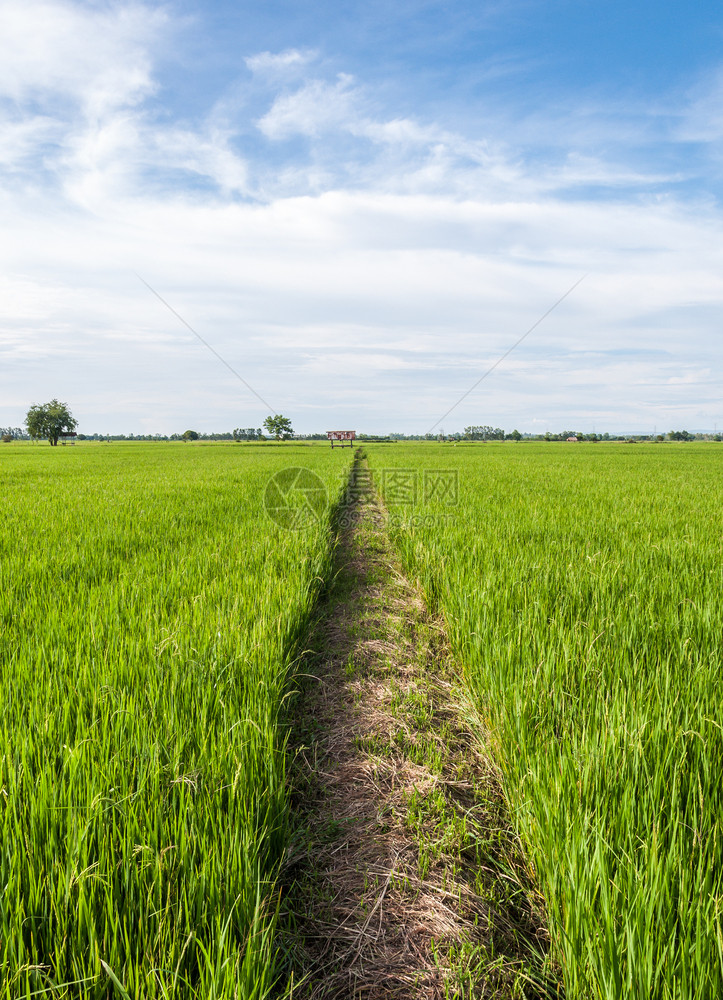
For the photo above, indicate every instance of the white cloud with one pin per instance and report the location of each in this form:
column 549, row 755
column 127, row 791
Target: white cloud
column 91, row 70
column 56, row 49
column 21, row 139
column 400, row 132
column 273, row 288
column 280, row 64
column 314, row 109
column 207, row 154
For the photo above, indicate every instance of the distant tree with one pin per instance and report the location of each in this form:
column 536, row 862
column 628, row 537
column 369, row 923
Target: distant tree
column 190, row 435
column 515, row 435
column 279, row 426
column 483, row 432
column 49, row 420
column 13, row 432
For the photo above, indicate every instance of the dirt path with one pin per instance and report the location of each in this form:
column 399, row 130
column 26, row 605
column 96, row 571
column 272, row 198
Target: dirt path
column 404, row 879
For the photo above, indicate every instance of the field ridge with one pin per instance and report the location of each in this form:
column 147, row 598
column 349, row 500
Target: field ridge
column 404, row 878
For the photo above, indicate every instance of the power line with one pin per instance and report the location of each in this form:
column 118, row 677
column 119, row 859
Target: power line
column 205, row 343
column 507, row 353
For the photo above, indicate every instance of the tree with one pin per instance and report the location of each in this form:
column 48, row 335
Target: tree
column 50, row 420
column 483, row 432
column 515, row 435
column 190, row 435
column 12, row 432
column 279, row 426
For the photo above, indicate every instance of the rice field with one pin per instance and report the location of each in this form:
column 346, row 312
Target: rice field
column 149, row 617
column 582, row 586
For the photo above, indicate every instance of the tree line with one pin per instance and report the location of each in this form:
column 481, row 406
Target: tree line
column 50, row 421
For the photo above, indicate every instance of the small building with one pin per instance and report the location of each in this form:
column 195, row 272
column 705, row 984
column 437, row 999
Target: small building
column 340, row 438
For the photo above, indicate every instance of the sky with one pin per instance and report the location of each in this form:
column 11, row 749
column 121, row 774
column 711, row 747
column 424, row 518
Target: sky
column 361, row 208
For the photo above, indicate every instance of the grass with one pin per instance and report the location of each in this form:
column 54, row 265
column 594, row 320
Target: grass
column 582, row 589
column 149, row 617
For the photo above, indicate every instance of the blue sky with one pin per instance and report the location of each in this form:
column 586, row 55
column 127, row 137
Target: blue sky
column 362, row 207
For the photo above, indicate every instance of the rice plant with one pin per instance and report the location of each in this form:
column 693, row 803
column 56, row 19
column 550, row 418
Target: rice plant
column 149, row 616
column 582, row 588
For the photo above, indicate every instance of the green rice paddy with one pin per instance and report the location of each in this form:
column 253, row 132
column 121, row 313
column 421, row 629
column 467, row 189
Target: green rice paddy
column 582, row 588
column 150, row 615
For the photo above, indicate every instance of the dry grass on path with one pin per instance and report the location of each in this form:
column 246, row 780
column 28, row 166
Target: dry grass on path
column 404, row 879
